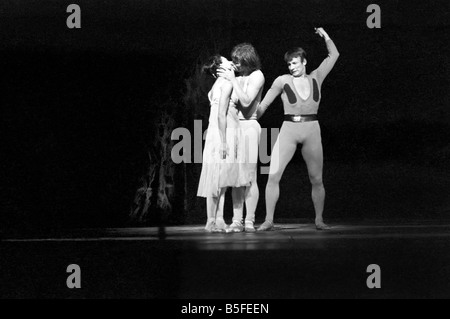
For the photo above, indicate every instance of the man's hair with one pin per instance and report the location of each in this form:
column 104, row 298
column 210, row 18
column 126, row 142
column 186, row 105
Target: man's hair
column 295, row 53
column 212, row 64
column 246, row 55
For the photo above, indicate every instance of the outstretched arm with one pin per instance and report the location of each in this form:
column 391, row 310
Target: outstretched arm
column 255, row 83
column 333, row 54
column 270, row 96
column 225, row 93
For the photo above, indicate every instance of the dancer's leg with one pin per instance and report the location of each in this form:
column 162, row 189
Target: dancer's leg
column 252, row 134
column 284, row 149
column 251, row 201
column 250, row 195
column 313, row 155
column 220, row 222
column 211, row 209
column 238, row 195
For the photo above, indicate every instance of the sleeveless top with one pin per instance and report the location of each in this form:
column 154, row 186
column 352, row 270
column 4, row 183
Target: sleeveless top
column 232, row 114
column 248, row 113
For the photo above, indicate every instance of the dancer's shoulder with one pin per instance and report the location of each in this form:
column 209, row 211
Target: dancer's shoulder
column 257, row 73
column 284, row 77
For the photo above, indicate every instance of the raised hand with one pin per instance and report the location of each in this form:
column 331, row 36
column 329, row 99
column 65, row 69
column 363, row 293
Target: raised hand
column 322, row 33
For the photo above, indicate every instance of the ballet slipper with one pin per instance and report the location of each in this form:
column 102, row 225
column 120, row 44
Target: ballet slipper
column 249, row 228
column 210, row 224
column 220, row 226
column 267, row 225
column 235, row 227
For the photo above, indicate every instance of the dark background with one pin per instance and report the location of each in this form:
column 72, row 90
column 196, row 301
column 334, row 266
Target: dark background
column 77, row 104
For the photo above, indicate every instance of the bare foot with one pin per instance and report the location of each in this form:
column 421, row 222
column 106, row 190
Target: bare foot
column 320, row 225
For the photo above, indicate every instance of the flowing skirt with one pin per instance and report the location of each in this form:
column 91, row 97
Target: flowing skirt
column 229, row 172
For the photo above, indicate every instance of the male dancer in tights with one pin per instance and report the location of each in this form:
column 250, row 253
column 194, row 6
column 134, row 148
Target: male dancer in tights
column 300, row 93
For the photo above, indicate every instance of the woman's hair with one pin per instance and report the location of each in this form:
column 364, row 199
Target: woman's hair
column 295, row 53
column 246, row 55
column 212, row 64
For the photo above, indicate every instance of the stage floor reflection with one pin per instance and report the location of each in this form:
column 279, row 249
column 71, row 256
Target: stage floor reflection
column 293, row 261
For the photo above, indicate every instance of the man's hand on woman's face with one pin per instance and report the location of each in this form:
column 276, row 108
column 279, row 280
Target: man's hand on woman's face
column 226, row 71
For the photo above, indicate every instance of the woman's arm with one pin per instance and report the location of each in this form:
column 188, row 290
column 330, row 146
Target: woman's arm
column 225, row 94
column 255, row 83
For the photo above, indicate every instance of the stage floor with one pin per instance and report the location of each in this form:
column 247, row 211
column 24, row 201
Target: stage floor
column 293, row 261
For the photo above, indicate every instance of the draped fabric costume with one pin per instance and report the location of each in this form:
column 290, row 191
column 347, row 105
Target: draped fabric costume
column 229, row 172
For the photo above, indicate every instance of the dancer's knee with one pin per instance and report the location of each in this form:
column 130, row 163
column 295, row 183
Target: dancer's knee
column 316, row 180
column 252, row 191
column 274, row 179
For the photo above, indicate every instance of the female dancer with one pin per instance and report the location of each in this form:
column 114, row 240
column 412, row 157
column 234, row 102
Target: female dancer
column 221, row 155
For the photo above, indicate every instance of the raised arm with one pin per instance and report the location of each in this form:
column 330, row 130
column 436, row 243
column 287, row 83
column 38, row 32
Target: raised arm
column 255, row 83
column 333, row 54
column 270, row 96
column 225, row 93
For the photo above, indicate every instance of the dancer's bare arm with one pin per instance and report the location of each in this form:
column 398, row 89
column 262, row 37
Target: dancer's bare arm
column 255, row 83
column 225, row 93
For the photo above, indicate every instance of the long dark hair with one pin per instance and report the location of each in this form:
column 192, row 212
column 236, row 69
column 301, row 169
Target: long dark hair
column 212, row 64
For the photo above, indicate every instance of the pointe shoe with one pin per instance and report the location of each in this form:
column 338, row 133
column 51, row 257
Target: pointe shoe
column 322, row 226
column 210, row 224
column 249, row 228
column 220, row 226
column 235, row 227
column 266, row 226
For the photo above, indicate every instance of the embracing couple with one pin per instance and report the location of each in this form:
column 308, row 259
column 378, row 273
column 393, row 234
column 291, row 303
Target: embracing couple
column 230, row 154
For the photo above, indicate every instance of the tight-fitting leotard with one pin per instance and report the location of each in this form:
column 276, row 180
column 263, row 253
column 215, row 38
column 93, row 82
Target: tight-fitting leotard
column 294, row 133
column 292, row 102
